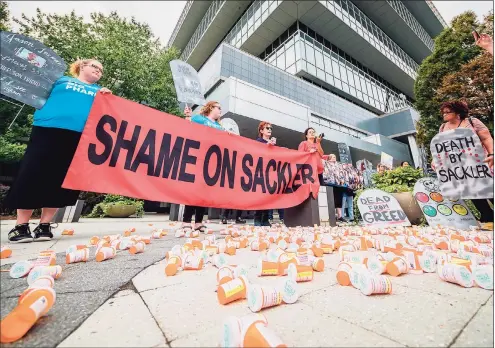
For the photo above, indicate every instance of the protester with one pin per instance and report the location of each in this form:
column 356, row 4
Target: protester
column 456, row 115
column 338, row 192
column 209, row 116
column 381, row 168
column 312, row 144
column 56, row 131
column 261, row 217
column 484, row 41
column 237, row 213
column 348, row 204
column 404, row 164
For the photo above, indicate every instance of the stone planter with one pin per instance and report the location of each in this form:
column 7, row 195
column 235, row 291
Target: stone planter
column 120, row 211
column 410, row 206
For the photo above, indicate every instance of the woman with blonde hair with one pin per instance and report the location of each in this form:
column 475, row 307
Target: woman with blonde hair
column 209, row 116
column 57, row 128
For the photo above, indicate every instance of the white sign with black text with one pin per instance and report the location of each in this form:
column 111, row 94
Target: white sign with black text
column 380, row 209
column 458, row 158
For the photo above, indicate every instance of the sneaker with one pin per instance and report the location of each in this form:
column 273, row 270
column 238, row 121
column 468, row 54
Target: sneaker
column 43, row 232
column 224, row 222
column 240, row 221
column 20, row 234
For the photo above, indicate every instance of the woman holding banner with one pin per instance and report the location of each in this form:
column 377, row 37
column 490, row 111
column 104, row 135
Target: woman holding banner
column 262, row 217
column 456, row 115
column 209, row 116
column 57, row 128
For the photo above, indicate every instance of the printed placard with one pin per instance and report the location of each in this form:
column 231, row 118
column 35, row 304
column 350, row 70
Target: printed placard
column 344, row 153
column 458, row 158
column 28, row 69
column 380, row 209
column 439, row 210
column 187, row 83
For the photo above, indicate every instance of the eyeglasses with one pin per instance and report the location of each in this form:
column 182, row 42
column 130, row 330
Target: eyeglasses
column 269, row 128
column 94, row 66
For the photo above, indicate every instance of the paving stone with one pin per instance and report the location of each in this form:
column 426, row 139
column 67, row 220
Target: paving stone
column 431, row 283
column 190, row 307
column 479, row 331
column 408, row 316
column 122, row 321
column 299, row 325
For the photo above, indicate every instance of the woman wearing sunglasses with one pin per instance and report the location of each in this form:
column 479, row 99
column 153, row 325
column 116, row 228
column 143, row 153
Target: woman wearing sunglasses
column 262, row 217
column 209, row 116
column 57, row 128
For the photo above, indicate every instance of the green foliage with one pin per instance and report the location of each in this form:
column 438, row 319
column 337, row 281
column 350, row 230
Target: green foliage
column 91, row 199
column 101, row 209
column 136, row 66
column 454, row 47
column 4, row 16
column 400, row 179
column 13, row 141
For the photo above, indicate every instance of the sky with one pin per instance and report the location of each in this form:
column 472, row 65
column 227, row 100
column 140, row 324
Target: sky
column 162, row 16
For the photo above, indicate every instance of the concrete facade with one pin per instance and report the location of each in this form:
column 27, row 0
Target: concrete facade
column 345, row 67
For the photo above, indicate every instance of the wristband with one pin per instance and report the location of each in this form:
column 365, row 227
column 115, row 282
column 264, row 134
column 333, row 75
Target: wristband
column 489, row 155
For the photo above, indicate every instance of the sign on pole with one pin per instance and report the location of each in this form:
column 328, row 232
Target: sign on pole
column 458, row 158
column 380, row 209
column 187, row 83
column 344, row 153
column 439, row 210
column 387, row 160
column 28, row 69
column 230, row 125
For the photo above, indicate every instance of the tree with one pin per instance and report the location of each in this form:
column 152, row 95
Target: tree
column 4, row 16
column 454, row 46
column 136, row 66
column 473, row 83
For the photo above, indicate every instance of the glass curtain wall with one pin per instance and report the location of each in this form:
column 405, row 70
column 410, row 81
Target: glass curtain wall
column 300, row 48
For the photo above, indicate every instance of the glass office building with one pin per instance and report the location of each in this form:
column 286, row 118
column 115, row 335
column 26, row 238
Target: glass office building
column 346, row 68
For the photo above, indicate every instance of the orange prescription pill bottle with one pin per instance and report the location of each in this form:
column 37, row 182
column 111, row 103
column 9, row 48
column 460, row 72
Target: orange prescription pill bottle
column 232, row 291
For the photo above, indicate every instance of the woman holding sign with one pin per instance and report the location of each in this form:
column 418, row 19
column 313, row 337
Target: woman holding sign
column 209, row 116
column 57, row 128
column 456, row 115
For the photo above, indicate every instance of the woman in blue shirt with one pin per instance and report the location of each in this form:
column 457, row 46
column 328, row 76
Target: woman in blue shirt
column 209, row 116
column 57, row 128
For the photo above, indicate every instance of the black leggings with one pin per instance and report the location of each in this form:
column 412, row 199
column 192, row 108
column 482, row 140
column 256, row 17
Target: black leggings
column 226, row 212
column 484, row 208
column 189, row 210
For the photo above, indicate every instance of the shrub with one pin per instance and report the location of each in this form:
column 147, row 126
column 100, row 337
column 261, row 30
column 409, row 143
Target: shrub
column 101, row 209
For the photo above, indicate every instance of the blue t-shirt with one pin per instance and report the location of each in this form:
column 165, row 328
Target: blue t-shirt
column 205, row 121
column 68, row 105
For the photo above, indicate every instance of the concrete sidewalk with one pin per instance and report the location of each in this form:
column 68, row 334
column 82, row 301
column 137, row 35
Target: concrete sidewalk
column 128, row 301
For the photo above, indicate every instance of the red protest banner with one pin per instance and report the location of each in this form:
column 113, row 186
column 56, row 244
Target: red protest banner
column 133, row 150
